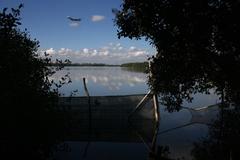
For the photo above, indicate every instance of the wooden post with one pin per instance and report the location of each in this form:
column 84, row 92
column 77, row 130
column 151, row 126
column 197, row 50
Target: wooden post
column 87, row 93
column 90, row 118
column 85, row 87
column 155, row 98
column 141, row 103
column 89, row 103
column 156, row 107
column 157, row 118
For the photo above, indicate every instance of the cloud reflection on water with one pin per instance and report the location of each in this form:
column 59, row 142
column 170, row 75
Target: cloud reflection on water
column 104, row 80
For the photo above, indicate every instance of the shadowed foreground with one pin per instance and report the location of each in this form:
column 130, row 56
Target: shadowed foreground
column 106, row 118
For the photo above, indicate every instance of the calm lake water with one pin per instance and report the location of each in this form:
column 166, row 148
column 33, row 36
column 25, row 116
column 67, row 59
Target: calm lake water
column 178, row 131
column 103, row 81
column 108, row 81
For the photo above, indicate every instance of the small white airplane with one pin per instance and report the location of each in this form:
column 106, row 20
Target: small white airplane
column 74, row 19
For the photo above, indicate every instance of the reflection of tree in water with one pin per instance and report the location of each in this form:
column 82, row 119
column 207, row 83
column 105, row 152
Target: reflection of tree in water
column 224, row 138
column 221, row 143
column 163, row 153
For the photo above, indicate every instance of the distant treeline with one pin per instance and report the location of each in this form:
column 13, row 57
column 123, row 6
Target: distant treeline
column 137, row 66
column 83, row 64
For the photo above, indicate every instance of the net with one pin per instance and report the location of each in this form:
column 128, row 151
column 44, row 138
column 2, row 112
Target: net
column 205, row 115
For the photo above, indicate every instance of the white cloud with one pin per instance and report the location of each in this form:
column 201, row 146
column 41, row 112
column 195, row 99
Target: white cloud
column 50, row 51
column 137, row 53
column 120, row 48
column 107, row 54
column 97, row 18
column 104, row 53
column 85, row 50
column 74, row 24
column 64, row 51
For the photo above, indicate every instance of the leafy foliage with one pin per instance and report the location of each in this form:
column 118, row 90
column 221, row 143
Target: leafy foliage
column 29, row 118
column 197, row 45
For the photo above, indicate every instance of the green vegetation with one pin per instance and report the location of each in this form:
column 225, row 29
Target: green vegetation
column 197, row 45
column 136, row 66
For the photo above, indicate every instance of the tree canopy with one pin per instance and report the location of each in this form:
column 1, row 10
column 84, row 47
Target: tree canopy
column 197, row 44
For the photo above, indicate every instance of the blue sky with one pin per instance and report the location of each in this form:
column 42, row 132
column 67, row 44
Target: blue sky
column 93, row 40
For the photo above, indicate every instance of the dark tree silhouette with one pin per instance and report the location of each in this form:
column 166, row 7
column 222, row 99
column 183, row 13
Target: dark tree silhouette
column 197, row 45
column 29, row 119
column 223, row 140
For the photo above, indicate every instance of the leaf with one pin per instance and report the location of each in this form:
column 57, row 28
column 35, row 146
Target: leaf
column 20, row 6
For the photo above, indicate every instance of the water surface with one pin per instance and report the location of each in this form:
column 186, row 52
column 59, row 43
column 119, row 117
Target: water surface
column 103, row 81
column 176, row 132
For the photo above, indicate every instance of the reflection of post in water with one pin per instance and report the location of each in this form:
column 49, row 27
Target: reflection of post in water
column 107, row 119
column 87, row 93
column 152, row 146
column 89, row 118
column 153, row 151
column 146, row 98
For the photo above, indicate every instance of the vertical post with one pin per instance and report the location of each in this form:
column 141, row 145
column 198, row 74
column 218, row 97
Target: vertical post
column 89, row 105
column 85, row 87
column 153, row 152
column 156, row 107
column 87, row 93
column 156, row 117
column 155, row 98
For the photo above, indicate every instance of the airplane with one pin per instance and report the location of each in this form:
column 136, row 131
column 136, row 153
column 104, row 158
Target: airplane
column 74, row 19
